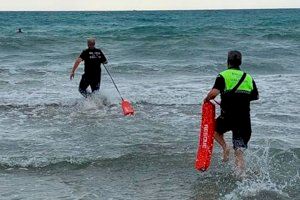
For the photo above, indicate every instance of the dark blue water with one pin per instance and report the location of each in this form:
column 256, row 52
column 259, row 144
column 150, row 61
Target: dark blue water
column 56, row 145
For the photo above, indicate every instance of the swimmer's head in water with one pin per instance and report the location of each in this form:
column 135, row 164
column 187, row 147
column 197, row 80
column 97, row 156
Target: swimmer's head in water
column 91, row 43
column 234, row 59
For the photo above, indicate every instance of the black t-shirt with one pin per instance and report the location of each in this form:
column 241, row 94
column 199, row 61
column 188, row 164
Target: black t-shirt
column 237, row 104
column 92, row 61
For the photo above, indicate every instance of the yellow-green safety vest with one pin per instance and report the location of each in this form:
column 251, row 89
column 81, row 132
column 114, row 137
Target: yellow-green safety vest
column 232, row 77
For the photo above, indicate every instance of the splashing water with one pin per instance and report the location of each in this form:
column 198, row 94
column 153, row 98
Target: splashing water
column 260, row 179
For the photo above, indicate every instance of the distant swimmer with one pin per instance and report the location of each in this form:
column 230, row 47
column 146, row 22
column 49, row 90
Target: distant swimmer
column 19, row 30
column 237, row 89
column 93, row 58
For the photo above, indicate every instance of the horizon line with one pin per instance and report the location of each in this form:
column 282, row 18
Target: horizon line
column 142, row 10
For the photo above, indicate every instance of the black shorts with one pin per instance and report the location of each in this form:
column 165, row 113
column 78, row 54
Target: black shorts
column 93, row 82
column 240, row 127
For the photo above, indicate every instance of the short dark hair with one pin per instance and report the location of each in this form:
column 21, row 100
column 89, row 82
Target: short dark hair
column 234, row 59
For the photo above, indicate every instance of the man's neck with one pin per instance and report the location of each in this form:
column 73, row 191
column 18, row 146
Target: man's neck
column 231, row 67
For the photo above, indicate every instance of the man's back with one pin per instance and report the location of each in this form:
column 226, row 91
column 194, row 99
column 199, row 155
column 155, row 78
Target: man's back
column 92, row 61
column 237, row 89
column 236, row 104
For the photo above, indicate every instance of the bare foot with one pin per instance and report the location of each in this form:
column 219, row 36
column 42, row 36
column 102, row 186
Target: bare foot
column 240, row 173
column 226, row 155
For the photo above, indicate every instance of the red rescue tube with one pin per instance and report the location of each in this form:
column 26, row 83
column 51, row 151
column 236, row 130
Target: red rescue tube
column 127, row 108
column 206, row 137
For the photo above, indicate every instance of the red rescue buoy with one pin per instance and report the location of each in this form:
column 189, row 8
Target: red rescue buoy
column 127, row 108
column 206, row 137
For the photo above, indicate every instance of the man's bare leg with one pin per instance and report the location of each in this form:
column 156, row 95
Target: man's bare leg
column 239, row 161
column 226, row 150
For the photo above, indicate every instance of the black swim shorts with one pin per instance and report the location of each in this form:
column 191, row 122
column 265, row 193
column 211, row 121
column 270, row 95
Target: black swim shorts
column 240, row 127
column 93, row 82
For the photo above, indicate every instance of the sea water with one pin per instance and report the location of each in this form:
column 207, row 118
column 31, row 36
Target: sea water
column 54, row 144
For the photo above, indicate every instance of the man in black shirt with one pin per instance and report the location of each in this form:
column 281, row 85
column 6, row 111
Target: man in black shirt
column 92, row 58
column 237, row 89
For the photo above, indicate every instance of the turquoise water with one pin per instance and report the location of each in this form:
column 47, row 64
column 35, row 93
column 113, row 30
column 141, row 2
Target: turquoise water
column 56, row 145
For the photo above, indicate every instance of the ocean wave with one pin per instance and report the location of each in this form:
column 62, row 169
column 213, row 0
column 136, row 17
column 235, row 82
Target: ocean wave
column 32, row 72
column 26, row 106
column 28, row 42
column 14, row 106
column 148, row 103
column 282, row 36
column 3, row 70
column 149, row 68
column 41, row 162
column 2, row 82
column 277, row 156
column 270, row 176
column 78, row 162
column 152, row 29
column 279, row 117
column 69, row 106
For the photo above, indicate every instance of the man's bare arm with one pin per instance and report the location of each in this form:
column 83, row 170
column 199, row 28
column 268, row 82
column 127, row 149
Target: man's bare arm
column 76, row 64
column 212, row 94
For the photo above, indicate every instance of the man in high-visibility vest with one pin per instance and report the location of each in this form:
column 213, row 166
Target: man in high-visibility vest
column 237, row 89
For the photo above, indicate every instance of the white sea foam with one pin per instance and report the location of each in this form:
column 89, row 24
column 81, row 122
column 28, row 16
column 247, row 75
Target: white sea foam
column 260, row 178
